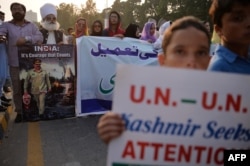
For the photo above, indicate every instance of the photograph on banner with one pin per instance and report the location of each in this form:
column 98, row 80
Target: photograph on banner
column 47, row 74
column 97, row 58
column 173, row 119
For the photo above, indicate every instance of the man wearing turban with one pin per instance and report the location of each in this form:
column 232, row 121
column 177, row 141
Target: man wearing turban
column 50, row 26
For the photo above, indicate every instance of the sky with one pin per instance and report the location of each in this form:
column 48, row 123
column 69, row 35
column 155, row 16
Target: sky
column 35, row 5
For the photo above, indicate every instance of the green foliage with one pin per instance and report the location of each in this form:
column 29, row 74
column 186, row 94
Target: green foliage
column 66, row 15
column 128, row 11
column 134, row 11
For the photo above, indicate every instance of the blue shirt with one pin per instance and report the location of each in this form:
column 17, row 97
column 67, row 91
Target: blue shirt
column 225, row 60
column 3, row 66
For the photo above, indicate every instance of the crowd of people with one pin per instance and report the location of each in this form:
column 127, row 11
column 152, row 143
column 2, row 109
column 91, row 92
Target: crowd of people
column 186, row 44
column 19, row 32
column 183, row 43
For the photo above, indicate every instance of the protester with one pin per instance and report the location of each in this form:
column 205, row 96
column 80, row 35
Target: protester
column 3, row 59
column 96, row 28
column 156, row 26
column 40, row 85
column 133, row 31
column 19, row 32
column 158, row 43
column 70, row 30
column 185, row 45
column 114, row 26
column 231, row 21
column 50, row 26
column 3, row 74
column 160, row 23
column 81, row 29
column 5, row 83
column 149, row 32
column 207, row 25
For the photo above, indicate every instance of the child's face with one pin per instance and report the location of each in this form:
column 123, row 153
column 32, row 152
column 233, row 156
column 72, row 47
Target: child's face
column 188, row 48
column 235, row 28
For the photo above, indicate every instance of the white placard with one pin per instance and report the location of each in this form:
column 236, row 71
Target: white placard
column 179, row 117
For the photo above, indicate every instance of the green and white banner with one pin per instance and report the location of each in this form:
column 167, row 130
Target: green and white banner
column 96, row 68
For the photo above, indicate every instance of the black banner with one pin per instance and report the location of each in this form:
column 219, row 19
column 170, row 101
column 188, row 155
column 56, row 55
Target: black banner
column 54, row 99
column 236, row 157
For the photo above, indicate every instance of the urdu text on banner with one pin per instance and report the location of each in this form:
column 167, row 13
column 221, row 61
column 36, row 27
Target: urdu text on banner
column 96, row 68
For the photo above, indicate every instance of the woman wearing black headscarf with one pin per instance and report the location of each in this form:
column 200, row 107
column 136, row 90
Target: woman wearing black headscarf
column 133, row 31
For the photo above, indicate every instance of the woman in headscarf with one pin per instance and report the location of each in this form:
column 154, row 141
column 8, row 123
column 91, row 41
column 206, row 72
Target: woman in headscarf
column 148, row 32
column 162, row 29
column 133, row 31
column 96, row 28
column 81, row 28
column 114, row 26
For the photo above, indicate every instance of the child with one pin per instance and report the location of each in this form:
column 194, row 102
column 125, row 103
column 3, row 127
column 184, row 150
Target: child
column 185, row 45
column 231, row 19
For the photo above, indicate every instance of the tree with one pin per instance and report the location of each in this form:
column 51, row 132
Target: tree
column 66, row 15
column 135, row 11
column 89, row 12
column 128, row 11
column 174, row 9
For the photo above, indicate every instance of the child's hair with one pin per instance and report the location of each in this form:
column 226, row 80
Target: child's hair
column 220, row 7
column 69, row 29
column 183, row 23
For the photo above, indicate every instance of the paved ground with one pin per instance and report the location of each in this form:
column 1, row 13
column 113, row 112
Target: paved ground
column 65, row 142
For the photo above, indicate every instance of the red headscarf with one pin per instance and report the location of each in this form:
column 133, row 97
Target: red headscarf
column 83, row 31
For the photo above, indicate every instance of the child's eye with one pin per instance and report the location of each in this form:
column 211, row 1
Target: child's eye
column 202, row 53
column 179, row 51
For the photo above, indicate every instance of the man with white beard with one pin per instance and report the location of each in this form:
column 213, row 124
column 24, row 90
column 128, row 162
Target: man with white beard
column 50, row 26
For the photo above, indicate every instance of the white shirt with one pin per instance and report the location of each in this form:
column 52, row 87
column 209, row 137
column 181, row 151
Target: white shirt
column 51, row 38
